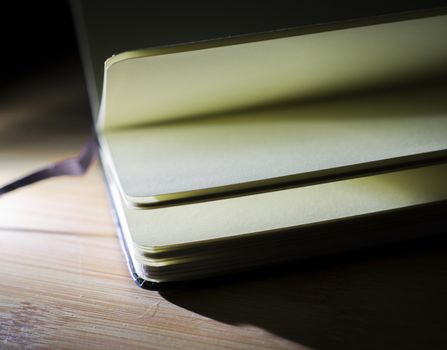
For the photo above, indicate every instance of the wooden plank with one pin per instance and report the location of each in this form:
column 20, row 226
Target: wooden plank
column 68, row 285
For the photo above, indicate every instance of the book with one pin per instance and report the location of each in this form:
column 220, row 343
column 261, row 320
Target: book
column 247, row 151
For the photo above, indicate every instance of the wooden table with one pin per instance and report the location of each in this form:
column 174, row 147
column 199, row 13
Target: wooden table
column 64, row 282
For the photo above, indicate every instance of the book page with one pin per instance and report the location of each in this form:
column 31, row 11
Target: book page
column 164, row 228
column 159, row 163
column 156, row 85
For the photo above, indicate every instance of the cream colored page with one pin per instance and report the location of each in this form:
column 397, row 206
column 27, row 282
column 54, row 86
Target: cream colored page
column 185, row 84
column 281, row 209
column 212, row 152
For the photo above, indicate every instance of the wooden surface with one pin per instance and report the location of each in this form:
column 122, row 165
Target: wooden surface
column 64, row 282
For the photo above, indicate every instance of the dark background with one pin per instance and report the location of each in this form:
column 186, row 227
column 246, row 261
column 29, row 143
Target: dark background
column 36, row 36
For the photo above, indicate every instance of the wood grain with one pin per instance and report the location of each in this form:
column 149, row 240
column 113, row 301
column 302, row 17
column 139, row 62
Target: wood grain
column 64, row 282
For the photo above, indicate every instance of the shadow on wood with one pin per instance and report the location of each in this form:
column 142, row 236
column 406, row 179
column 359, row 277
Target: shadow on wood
column 388, row 297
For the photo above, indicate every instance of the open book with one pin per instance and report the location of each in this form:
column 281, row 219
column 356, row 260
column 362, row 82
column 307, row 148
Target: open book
column 235, row 153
